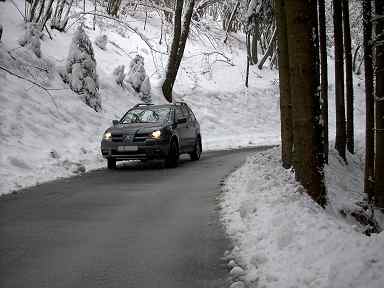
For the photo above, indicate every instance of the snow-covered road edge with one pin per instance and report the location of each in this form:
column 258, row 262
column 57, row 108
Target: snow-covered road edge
column 283, row 239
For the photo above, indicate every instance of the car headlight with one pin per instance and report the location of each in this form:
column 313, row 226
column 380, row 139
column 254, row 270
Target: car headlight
column 107, row 136
column 156, row 134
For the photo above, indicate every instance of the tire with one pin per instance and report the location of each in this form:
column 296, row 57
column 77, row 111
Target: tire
column 172, row 159
column 195, row 155
column 111, row 163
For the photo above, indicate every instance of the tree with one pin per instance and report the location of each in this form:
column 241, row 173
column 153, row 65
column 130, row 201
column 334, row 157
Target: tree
column 80, row 71
column 379, row 105
column 348, row 77
column 324, row 74
column 285, row 93
column 304, row 84
column 369, row 113
column 340, row 143
column 180, row 36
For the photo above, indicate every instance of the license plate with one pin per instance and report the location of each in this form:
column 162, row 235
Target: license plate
column 126, row 148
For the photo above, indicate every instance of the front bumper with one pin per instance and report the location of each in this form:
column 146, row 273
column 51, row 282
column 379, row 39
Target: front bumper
column 150, row 149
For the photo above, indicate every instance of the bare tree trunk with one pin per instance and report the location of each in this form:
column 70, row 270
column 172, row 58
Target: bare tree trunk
column 324, row 74
column 355, row 58
column 340, row 144
column 369, row 98
column 285, row 93
column 269, row 49
column 379, row 69
column 180, row 37
column 304, row 84
column 231, row 20
column 348, row 77
column 255, row 38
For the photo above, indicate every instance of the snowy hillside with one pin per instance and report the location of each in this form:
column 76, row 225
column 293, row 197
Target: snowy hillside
column 50, row 134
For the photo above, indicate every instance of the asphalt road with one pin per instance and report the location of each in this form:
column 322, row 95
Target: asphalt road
column 139, row 226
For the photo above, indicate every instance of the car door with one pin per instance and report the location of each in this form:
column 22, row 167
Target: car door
column 181, row 128
column 191, row 127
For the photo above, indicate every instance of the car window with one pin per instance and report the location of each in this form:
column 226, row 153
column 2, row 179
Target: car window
column 147, row 115
column 179, row 113
column 193, row 118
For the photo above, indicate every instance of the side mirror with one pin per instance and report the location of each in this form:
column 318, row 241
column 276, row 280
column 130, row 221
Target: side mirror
column 181, row 120
column 115, row 122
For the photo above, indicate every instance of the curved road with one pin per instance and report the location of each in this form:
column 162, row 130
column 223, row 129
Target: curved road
column 138, row 226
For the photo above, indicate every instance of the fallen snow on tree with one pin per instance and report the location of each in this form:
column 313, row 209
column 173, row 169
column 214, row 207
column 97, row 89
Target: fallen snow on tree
column 284, row 239
column 32, row 37
column 137, row 78
column 81, row 70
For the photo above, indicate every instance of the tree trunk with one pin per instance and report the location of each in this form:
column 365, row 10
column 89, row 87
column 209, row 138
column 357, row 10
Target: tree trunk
column 304, row 84
column 379, row 69
column 324, row 74
column 171, row 73
column 369, row 112
column 285, row 93
column 269, row 50
column 255, row 37
column 348, row 77
column 354, row 68
column 231, row 20
column 339, row 79
column 178, row 45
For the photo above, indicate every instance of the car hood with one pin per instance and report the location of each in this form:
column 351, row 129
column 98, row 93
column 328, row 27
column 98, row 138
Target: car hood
column 134, row 128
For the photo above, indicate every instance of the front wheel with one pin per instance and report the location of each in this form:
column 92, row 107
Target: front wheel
column 111, row 164
column 195, row 155
column 173, row 157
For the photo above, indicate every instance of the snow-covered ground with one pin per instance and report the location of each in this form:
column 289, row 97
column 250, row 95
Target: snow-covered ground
column 49, row 135
column 284, row 239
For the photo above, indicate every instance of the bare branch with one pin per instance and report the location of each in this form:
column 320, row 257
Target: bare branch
column 134, row 30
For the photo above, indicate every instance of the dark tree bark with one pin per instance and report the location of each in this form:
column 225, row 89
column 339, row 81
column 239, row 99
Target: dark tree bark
column 180, row 36
column 255, row 38
column 340, row 144
column 369, row 98
column 230, row 21
column 379, row 69
column 324, row 74
column 348, row 77
column 285, row 93
column 269, row 51
column 304, row 84
column 354, row 68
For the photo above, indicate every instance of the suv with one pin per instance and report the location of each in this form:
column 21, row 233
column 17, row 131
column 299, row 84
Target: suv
column 150, row 131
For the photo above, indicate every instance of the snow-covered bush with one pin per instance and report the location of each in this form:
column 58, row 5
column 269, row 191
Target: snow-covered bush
column 31, row 38
column 137, row 78
column 119, row 74
column 101, row 41
column 80, row 70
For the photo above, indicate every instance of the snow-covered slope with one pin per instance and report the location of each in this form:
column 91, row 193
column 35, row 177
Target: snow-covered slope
column 45, row 135
column 284, row 239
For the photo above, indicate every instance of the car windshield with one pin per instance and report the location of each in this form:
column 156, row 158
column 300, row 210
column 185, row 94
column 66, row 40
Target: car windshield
column 152, row 115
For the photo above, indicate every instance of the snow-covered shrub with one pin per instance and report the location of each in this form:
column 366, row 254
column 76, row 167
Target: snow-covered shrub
column 31, row 38
column 119, row 74
column 145, row 90
column 101, row 41
column 80, row 70
column 137, row 78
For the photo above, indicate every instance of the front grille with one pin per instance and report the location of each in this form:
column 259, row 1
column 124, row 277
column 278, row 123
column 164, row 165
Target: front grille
column 117, row 137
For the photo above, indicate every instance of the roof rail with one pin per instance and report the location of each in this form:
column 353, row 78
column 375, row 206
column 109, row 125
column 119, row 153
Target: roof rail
column 142, row 104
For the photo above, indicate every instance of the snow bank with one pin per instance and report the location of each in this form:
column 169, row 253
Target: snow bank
column 47, row 136
column 284, row 239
